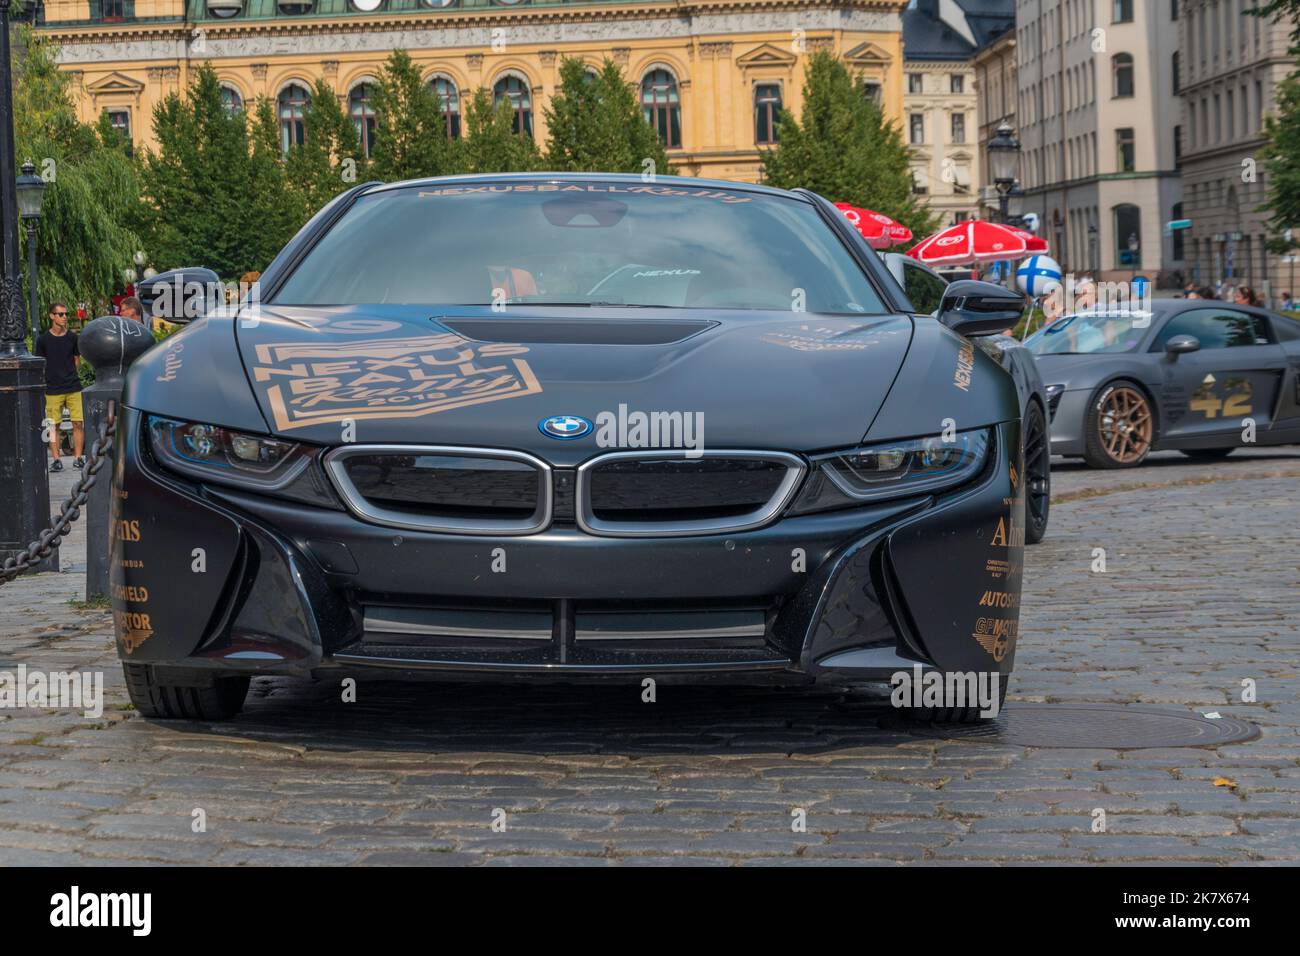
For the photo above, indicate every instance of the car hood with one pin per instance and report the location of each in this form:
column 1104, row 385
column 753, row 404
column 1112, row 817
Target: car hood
column 763, row 380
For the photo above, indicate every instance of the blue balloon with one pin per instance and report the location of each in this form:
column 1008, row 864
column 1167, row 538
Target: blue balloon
column 1039, row 275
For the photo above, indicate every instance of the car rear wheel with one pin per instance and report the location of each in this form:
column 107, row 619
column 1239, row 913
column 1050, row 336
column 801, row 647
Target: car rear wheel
column 1119, row 427
column 155, row 696
column 1038, row 474
column 1208, row 454
column 955, row 715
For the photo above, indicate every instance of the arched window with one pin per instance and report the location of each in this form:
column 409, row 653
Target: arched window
column 448, row 97
column 514, row 90
column 295, row 8
column 363, row 115
column 231, row 99
column 661, row 106
column 292, row 104
column 1128, row 236
column 767, row 107
column 1121, row 71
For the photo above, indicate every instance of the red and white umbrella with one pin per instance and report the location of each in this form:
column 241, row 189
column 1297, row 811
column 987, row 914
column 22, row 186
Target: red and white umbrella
column 879, row 230
column 1033, row 243
column 972, row 241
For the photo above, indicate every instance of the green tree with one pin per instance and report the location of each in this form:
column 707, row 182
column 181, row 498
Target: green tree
column 197, row 182
column 1282, row 139
column 88, row 229
column 489, row 143
column 596, row 124
column 329, row 160
column 843, row 148
column 279, row 212
column 411, row 132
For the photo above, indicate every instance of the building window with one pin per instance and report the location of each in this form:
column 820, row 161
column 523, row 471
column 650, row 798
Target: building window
column 872, row 92
column 1177, row 213
column 957, row 83
column 958, row 127
column 1123, row 11
column 767, row 107
column 448, row 97
column 1121, row 71
column 914, row 81
column 1178, row 83
column 113, row 11
column 1173, row 9
column 1126, row 150
column 920, row 182
column 295, row 8
column 514, row 90
column 1128, row 232
column 662, row 107
column 1178, row 143
column 231, row 100
column 120, row 120
column 292, row 104
column 363, row 115
column 916, row 126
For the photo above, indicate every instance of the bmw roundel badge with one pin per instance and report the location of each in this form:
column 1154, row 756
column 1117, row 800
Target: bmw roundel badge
column 564, row 427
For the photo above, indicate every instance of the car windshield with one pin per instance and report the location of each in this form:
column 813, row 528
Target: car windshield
column 582, row 244
column 1086, row 333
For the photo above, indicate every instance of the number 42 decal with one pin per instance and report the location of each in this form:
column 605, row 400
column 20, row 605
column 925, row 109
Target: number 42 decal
column 1234, row 403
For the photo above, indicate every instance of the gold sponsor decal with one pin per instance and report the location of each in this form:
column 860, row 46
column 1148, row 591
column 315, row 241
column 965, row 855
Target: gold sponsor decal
column 322, row 383
column 965, row 366
column 128, row 563
column 124, row 530
column 999, row 567
column 1016, row 534
column 131, row 593
column 999, row 599
column 995, row 636
column 133, row 629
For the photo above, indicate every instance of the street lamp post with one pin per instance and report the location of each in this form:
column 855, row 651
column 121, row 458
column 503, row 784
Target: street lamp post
column 1004, row 159
column 31, row 190
column 1092, row 249
column 25, row 505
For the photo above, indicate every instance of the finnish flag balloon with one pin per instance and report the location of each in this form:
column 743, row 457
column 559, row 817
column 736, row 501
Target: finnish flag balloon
column 1038, row 276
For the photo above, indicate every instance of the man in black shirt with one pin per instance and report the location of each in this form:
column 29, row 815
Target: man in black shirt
column 58, row 346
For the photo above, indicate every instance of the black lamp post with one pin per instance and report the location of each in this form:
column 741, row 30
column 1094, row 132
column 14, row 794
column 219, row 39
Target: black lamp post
column 31, row 190
column 1092, row 249
column 1004, row 160
column 25, row 505
column 1015, row 205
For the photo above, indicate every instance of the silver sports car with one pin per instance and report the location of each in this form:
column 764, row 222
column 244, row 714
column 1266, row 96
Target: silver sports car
column 1196, row 375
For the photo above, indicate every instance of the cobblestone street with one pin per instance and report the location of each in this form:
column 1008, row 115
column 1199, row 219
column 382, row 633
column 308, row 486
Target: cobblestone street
column 1200, row 593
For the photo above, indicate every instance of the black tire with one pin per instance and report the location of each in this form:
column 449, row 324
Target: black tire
column 1207, row 454
column 956, row 715
column 154, row 696
column 1096, row 453
column 1037, row 460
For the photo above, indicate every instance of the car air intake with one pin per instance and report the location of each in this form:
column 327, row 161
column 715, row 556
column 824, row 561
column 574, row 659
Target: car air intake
column 646, row 494
column 443, row 488
column 541, row 331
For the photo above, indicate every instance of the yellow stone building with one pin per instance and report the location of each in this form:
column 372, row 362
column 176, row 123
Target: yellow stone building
column 710, row 73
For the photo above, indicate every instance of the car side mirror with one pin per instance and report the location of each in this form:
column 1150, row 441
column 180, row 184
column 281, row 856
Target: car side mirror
column 180, row 295
column 971, row 307
column 1181, row 344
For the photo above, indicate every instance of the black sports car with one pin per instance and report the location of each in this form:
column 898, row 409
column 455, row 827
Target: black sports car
column 566, row 426
column 1196, row 375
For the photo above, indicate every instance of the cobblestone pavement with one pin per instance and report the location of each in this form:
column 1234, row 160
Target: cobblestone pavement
column 1200, row 593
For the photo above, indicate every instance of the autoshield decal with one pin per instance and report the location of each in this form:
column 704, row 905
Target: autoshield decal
column 310, row 383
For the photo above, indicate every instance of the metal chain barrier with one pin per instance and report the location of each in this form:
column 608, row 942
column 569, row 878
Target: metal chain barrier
column 70, row 511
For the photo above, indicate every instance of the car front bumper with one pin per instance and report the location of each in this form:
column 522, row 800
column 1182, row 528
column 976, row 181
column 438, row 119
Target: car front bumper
column 209, row 580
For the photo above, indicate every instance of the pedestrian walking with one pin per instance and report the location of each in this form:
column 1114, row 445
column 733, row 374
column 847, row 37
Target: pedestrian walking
column 58, row 346
column 1244, row 295
column 1287, row 304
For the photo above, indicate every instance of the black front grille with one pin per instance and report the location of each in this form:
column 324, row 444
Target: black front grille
column 443, row 488
column 675, row 489
column 446, row 485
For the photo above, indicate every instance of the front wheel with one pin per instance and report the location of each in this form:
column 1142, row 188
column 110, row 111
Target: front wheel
column 1119, row 427
column 1038, row 474
column 155, row 696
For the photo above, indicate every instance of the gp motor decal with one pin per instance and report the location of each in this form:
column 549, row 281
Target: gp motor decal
column 325, row 383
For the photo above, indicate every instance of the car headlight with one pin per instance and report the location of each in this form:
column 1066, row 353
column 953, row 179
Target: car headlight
column 213, row 453
column 893, row 470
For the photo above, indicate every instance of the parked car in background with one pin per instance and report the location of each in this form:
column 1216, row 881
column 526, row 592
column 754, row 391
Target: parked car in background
column 1199, row 376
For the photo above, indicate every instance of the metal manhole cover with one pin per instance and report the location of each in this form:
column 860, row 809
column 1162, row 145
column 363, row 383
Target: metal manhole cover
column 1093, row 727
